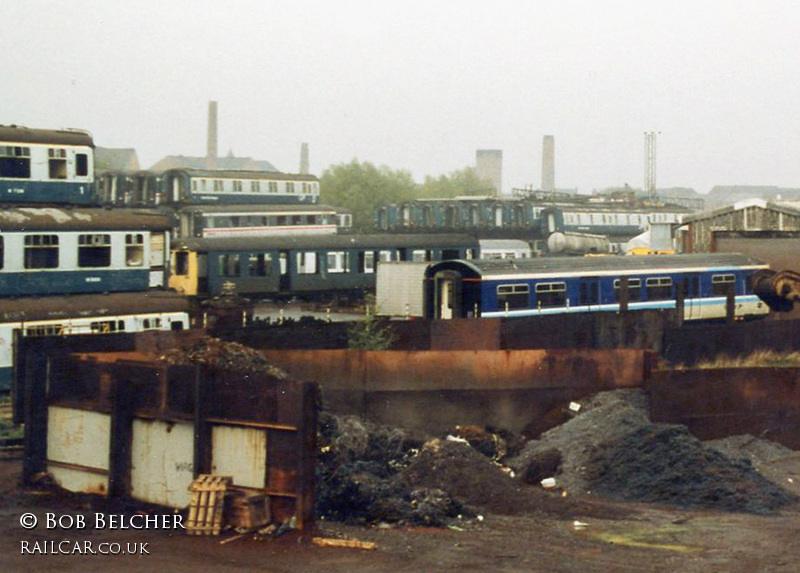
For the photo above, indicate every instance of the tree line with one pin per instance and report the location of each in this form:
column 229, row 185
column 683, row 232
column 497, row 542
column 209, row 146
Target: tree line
column 361, row 187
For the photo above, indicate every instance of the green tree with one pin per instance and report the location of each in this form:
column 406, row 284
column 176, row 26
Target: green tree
column 461, row 182
column 361, row 187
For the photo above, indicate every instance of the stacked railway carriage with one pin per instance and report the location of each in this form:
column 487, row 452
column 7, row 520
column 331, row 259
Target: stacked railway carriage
column 68, row 266
column 703, row 284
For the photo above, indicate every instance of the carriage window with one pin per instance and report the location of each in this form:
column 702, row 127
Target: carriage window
column 659, row 288
column 194, row 184
column 2, row 251
column 181, row 263
column 45, row 330
column 634, row 289
column 513, row 296
column 229, row 265
column 339, row 262
column 237, row 185
column 107, row 326
column 81, row 164
column 307, row 263
column 15, row 162
column 94, row 250
column 420, row 255
column 719, row 284
column 134, row 250
column 366, row 262
column 385, row 256
column 41, row 251
column 57, row 163
column 289, row 187
column 273, row 186
column 254, row 187
column 448, row 254
column 551, row 294
column 218, row 185
column 260, row 265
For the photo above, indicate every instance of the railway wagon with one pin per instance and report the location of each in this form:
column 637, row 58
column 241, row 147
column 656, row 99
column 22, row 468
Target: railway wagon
column 530, row 287
column 306, row 266
column 46, row 166
column 85, row 314
column 47, row 250
column 200, row 186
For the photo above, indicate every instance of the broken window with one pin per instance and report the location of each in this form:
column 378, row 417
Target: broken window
column 41, row 251
column 57, row 163
column 94, row 251
column 134, row 250
column 15, row 162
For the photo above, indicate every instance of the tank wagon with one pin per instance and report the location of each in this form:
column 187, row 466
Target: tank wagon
column 530, row 287
column 46, row 166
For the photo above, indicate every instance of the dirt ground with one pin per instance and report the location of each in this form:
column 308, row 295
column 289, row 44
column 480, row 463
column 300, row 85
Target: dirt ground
column 628, row 537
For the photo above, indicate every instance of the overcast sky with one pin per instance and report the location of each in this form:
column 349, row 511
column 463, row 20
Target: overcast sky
column 422, row 85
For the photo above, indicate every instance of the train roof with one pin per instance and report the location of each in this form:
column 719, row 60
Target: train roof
column 376, row 241
column 259, row 209
column 83, row 305
column 599, row 265
column 244, row 174
column 20, row 134
column 88, row 219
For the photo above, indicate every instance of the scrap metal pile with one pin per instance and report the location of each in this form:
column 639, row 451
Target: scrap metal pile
column 221, row 355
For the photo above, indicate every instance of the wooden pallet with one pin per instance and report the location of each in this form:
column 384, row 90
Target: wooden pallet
column 208, row 501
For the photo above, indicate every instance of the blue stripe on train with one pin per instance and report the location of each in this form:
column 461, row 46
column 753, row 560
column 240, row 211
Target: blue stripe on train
column 23, row 191
column 46, row 282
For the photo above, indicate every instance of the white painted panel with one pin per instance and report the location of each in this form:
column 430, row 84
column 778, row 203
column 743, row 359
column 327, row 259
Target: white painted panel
column 240, row 453
column 78, row 437
column 78, row 481
column 162, row 455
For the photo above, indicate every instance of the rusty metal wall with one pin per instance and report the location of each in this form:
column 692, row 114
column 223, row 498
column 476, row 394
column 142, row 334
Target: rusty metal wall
column 693, row 342
column 764, row 402
column 435, row 390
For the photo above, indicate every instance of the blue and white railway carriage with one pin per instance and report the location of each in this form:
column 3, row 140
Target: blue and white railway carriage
column 46, row 166
column 252, row 220
column 197, row 186
column 530, row 287
column 86, row 314
column 46, row 251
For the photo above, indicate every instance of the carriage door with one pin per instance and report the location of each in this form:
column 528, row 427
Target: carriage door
column 159, row 253
column 286, row 279
column 589, row 292
column 447, row 291
column 690, row 287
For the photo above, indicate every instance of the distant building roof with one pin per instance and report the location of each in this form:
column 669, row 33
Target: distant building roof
column 121, row 160
column 786, row 207
column 225, row 163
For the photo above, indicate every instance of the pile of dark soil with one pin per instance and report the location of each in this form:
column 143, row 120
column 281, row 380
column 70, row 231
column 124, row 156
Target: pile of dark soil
column 611, row 448
column 222, row 355
column 360, row 476
column 469, row 476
